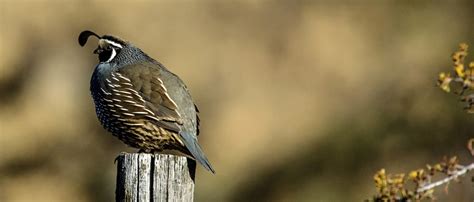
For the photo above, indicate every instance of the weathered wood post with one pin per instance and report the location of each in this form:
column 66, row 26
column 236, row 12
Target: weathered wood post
column 153, row 177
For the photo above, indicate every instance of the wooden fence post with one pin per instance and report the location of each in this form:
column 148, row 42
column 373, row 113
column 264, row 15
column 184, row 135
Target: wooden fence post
column 153, row 177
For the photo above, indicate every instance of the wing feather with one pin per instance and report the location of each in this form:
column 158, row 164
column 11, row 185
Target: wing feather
column 151, row 94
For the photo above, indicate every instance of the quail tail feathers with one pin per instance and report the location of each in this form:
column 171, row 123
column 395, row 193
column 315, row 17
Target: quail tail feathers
column 196, row 152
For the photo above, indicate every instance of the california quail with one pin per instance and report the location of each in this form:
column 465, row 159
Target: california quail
column 141, row 102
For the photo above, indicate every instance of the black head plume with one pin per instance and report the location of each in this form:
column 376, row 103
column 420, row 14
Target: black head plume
column 85, row 35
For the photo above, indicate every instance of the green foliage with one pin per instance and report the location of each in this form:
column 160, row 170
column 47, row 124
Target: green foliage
column 417, row 185
column 395, row 187
column 462, row 76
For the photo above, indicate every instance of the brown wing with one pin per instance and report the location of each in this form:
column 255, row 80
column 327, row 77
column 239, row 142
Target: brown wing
column 142, row 90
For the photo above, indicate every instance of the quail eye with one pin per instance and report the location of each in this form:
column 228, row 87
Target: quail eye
column 107, row 54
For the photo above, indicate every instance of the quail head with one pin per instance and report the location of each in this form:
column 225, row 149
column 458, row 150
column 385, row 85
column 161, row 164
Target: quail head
column 141, row 102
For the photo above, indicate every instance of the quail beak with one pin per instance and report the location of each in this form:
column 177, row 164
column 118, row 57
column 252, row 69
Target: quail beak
column 98, row 50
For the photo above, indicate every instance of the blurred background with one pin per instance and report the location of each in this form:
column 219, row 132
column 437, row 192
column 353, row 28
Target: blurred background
column 299, row 100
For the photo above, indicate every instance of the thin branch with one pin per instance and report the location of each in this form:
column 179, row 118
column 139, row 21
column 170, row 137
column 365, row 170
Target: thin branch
column 456, row 174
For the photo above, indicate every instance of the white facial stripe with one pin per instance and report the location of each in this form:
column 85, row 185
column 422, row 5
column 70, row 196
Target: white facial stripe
column 114, row 53
column 113, row 43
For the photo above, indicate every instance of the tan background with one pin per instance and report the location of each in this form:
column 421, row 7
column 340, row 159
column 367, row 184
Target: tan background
column 299, row 100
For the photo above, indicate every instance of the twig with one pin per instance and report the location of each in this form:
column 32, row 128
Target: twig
column 455, row 175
